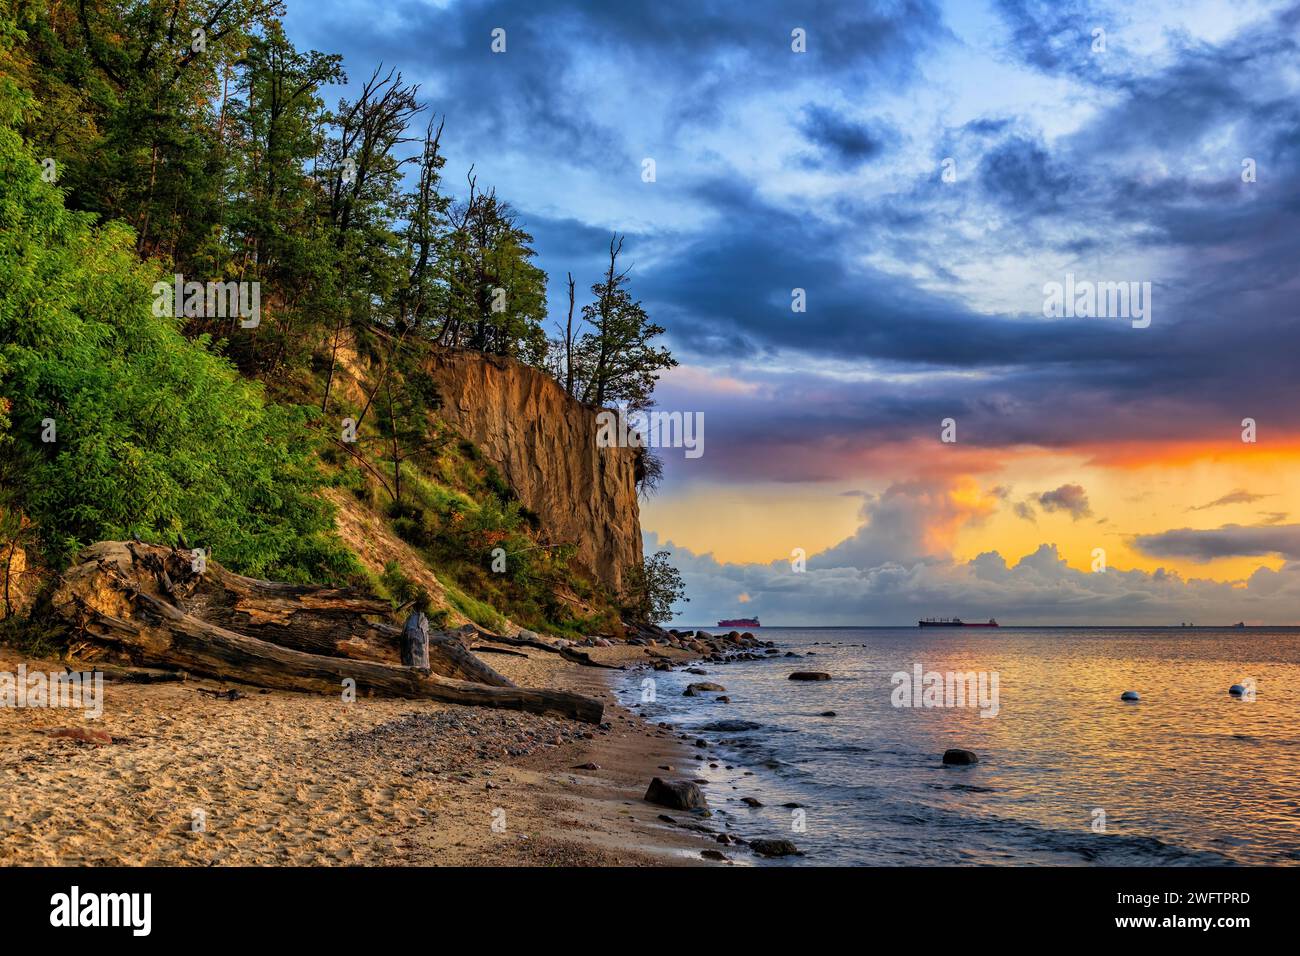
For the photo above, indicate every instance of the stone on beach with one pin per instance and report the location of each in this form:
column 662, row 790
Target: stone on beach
column 959, row 758
column 675, row 794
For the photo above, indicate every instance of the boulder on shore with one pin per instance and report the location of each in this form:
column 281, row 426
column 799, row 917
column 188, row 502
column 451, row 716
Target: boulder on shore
column 810, row 675
column 675, row 794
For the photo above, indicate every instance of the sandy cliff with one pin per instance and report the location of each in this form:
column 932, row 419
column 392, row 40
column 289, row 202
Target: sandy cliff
column 544, row 444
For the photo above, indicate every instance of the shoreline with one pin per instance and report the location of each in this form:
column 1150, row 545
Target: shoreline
column 281, row 778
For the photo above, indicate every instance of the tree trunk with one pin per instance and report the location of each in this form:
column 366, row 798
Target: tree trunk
column 415, row 641
column 150, row 605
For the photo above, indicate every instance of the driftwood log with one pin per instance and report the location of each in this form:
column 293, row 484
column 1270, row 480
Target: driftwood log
column 158, row 607
column 568, row 653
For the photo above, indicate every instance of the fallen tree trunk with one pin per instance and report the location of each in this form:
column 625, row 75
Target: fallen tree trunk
column 107, row 599
column 568, row 653
column 334, row 622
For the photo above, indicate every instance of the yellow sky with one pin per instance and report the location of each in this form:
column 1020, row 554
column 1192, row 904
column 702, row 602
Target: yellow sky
column 1128, row 496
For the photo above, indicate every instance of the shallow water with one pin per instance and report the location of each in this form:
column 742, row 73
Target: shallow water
column 1190, row 775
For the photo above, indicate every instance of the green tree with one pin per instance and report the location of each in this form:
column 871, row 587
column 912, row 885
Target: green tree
column 651, row 589
column 496, row 295
column 616, row 362
column 119, row 425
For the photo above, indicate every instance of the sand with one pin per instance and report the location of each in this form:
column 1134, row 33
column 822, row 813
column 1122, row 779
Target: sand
column 278, row 778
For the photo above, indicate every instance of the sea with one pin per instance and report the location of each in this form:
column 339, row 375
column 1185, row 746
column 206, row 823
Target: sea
column 1068, row 773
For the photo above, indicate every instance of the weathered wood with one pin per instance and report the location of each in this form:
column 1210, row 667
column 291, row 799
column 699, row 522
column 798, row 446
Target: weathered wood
column 107, row 600
column 415, row 641
column 568, row 653
column 335, row 622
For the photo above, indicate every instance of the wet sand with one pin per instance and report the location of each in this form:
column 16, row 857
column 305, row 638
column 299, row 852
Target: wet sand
column 278, row 778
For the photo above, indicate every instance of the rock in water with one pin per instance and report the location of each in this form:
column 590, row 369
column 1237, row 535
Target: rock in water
column 959, row 758
column 1237, row 690
column 694, row 690
column 810, row 675
column 676, row 794
column 774, row 848
column 1130, row 695
column 751, row 801
column 731, row 726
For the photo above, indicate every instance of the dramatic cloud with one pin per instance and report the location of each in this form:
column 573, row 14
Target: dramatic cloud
column 909, row 522
column 1039, row 589
column 1231, row 540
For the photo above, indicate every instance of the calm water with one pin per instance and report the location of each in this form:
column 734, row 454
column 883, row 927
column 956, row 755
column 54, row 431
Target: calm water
column 1190, row 775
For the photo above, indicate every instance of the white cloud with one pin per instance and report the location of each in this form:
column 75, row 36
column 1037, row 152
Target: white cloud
column 1039, row 589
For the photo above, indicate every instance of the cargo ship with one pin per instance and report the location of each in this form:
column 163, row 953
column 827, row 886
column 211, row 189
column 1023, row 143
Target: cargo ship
column 952, row 622
column 740, row 622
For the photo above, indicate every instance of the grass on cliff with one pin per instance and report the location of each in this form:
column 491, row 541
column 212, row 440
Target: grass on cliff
column 487, row 550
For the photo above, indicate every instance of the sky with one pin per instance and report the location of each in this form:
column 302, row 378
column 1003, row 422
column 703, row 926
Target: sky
column 923, row 172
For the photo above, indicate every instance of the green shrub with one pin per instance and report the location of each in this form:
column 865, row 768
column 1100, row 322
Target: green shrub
column 154, row 434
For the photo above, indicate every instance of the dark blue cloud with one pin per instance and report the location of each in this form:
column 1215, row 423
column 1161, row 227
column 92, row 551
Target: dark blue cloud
column 843, row 142
column 1021, row 175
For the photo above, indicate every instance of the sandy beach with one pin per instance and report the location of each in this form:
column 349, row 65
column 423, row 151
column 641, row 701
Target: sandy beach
column 278, row 778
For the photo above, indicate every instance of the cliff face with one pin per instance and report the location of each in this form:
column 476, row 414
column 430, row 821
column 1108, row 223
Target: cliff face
column 544, row 444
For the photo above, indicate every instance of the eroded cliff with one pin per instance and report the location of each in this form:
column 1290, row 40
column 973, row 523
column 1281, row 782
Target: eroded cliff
column 544, row 444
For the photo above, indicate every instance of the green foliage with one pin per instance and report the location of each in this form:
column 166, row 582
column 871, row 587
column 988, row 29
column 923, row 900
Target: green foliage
column 154, row 434
column 652, row 589
column 477, row 611
column 615, row 362
column 403, row 590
